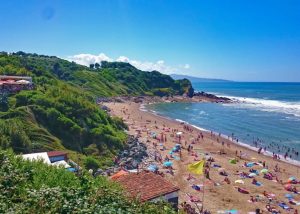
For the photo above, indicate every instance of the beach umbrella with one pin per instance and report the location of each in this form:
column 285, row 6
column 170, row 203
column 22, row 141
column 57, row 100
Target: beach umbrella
column 252, row 175
column 152, row 168
column 289, row 196
column 168, row 163
column 264, row 171
column 239, row 182
column 170, row 152
column 179, row 133
column 292, row 178
column 250, row 164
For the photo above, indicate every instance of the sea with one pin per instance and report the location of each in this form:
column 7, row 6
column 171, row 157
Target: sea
column 263, row 114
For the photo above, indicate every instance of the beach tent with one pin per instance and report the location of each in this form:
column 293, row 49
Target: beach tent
column 232, row 161
column 168, row 163
column 264, row 171
column 250, row 164
column 239, row 182
column 252, row 175
column 119, row 174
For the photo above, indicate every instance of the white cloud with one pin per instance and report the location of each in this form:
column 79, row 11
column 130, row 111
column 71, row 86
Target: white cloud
column 87, row 59
column 186, row 66
column 160, row 65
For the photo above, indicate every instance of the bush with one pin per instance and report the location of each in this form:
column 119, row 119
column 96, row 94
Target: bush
column 91, row 163
column 33, row 187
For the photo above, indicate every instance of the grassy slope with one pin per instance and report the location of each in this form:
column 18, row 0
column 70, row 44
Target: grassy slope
column 61, row 112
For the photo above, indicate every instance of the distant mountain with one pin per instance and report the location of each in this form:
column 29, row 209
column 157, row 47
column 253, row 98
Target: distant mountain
column 196, row 79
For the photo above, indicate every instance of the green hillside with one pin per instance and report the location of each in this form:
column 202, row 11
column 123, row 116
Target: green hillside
column 61, row 113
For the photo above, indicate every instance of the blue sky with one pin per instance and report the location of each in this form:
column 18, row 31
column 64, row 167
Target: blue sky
column 257, row 40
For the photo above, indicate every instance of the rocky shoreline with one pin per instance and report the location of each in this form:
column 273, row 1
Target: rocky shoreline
column 129, row 158
column 197, row 97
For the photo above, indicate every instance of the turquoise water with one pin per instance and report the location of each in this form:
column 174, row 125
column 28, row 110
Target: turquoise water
column 265, row 113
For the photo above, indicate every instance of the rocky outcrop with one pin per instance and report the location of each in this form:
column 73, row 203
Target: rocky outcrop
column 133, row 154
column 129, row 158
column 212, row 97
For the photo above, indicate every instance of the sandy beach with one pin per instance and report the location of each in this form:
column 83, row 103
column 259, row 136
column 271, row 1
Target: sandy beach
column 219, row 195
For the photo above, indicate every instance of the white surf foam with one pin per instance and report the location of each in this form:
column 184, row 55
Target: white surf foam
column 291, row 108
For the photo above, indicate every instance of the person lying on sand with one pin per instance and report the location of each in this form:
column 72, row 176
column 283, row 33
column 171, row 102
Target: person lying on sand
column 190, row 177
column 226, row 180
column 272, row 209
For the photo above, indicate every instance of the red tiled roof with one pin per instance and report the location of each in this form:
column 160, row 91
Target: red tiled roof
column 146, row 185
column 56, row 153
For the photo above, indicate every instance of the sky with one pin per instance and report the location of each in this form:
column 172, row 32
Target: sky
column 242, row 40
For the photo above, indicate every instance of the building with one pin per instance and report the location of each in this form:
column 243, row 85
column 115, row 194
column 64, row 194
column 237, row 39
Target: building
column 16, row 78
column 13, row 84
column 148, row 186
column 53, row 158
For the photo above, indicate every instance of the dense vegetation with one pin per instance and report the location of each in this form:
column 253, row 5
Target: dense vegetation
column 33, row 187
column 61, row 112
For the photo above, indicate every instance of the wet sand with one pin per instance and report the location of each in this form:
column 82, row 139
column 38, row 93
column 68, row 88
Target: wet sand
column 218, row 195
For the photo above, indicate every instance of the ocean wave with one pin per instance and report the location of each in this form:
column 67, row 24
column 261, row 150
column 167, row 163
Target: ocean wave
column 292, row 108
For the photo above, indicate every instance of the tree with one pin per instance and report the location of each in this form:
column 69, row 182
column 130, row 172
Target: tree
column 92, row 66
column 57, row 69
column 3, row 102
column 97, row 65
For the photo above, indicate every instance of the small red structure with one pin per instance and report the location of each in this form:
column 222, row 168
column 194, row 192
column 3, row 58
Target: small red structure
column 148, row 186
column 57, row 156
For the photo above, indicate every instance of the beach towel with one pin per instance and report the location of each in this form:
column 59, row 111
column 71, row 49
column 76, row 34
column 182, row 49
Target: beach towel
column 294, row 202
column 283, row 206
column 244, row 191
column 258, row 184
column 249, row 164
column 196, row 187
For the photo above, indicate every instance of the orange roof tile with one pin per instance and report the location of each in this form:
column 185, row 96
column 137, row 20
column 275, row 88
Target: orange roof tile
column 118, row 174
column 146, row 185
column 56, row 153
